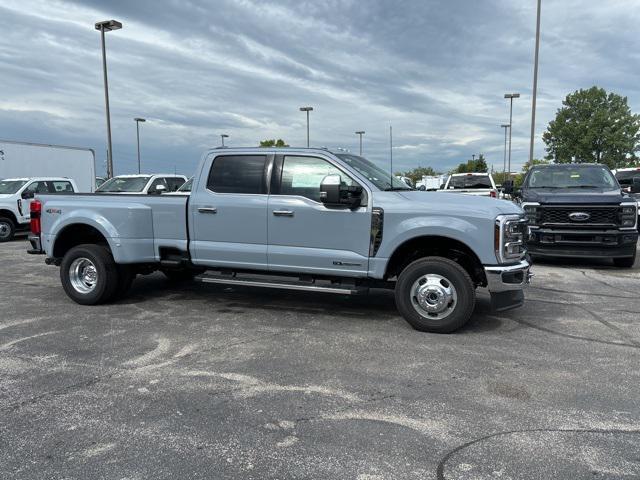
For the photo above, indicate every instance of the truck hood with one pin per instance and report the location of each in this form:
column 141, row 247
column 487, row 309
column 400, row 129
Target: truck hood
column 420, row 202
column 572, row 195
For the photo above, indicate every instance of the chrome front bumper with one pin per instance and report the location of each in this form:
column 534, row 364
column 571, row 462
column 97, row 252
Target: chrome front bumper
column 508, row 277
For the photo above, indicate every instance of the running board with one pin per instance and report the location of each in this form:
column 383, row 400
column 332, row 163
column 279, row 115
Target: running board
column 281, row 284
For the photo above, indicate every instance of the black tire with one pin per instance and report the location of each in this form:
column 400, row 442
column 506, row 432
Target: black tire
column 625, row 262
column 7, row 229
column 445, row 274
column 178, row 276
column 126, row 276
column 106, row 274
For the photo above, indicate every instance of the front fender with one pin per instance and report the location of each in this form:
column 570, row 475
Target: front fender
column 477, row 235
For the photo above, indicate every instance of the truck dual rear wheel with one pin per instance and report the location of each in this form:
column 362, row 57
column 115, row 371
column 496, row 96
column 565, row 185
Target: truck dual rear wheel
column 7, row 229
column 89, row 274
column 435, row 294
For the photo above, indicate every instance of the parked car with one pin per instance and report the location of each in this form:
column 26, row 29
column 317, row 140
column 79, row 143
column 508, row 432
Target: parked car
column 478, row 184
column 311, row 219
column 578, row 210
column 15, row 194
column 31, row 160
column 142, row 184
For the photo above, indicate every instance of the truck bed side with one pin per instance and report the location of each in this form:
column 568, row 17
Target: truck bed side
column 135, row 227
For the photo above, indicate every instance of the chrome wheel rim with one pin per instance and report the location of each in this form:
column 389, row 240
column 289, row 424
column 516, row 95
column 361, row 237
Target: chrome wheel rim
column 83, row 275
column 433, row 296
column 5, row 230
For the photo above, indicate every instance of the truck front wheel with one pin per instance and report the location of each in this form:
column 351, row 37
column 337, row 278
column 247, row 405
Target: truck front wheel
column 7, row 229
column 88, row 274
column 435, row 294
column 625, row 262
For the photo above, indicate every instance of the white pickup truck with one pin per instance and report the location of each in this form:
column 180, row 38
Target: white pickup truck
column 478, row 184
column 14, row 200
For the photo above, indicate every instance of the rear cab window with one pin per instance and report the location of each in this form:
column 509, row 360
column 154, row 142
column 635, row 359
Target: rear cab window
column 238, row 174
column 470, row 182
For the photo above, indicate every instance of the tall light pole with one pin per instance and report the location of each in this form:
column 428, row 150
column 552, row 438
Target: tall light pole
column 138, row 120
column 307, row 109
column 107, row 26
column 360, row 133
column 535, row 85
column 222, row 137
column 510, row 96
column 391, row 151
column 504, row 161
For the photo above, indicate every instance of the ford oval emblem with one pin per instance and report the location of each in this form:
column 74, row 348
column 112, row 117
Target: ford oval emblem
column 579, row 216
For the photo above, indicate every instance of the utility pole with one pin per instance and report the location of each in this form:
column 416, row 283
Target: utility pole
column 504, row 161
column 535, row 84
column 107, row 26
column 391, row 151
column 510, row 96
column 222, row 137
column 307, row 109
column 360, row 133
column 138, row 120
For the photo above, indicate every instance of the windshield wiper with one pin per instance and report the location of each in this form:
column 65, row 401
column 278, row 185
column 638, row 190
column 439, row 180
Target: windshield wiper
column 584, row 186
column 397, row 189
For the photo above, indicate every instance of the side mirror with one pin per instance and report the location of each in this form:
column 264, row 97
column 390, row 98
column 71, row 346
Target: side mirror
column 507, row 187
column 159, row 189
column 333, row 193
column 635, row 185
column 442, row 186
column 27, row 194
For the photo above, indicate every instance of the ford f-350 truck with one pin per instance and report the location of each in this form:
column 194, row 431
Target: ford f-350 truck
column 302, row 219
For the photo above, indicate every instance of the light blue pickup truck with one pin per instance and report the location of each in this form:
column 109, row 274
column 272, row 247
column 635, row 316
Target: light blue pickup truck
column 300, row 219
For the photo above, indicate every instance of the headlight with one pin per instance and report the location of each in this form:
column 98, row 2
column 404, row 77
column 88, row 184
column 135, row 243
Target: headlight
column 509, row 238
column 628, row 216
column 531, row 212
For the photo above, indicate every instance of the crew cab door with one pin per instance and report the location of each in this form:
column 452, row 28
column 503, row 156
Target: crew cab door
column 304, row 234
column 228, row 212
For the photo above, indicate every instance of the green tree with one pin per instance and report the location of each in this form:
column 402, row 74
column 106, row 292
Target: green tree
column 417, row 173
column 477, row 165
column 273, row 143
column 593, row 126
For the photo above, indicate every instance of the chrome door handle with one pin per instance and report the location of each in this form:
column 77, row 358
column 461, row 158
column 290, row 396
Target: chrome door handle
column 207, row 210
column 283, row 213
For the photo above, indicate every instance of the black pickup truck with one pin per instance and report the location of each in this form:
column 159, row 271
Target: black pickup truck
column 579, row 210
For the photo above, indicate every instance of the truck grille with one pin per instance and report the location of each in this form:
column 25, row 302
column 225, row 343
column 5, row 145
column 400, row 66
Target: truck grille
column 561, row 215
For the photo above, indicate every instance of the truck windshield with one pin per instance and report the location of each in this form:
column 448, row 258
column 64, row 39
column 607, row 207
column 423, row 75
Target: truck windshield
column 626, row 178
column 592, row 176
column 470, row 181
column 381, row 179
column 124, row 184
column 11, row 186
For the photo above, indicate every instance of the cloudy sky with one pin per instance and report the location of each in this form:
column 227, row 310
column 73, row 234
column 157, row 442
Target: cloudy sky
column 434, row 69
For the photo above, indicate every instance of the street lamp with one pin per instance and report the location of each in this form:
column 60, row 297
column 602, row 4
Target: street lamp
column 504, row 161
column 107, row 26
column 535, row 85
column 360, row 133
column 307, row 109
column 138, row 120
column 223, row 136
column 510, row 96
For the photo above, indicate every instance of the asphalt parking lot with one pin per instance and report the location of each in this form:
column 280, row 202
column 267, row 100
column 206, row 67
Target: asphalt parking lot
column 201, row 381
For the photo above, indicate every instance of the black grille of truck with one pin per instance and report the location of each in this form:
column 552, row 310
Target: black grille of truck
column 598, row 216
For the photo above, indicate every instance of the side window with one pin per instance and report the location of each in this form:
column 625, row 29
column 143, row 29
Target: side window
column 155, row 183
column 33, row 188
column 174, row 183
column 237, row 174
column 303, row 175
column 62, row 187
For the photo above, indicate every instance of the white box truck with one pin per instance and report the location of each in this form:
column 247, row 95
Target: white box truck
column 30, row 160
